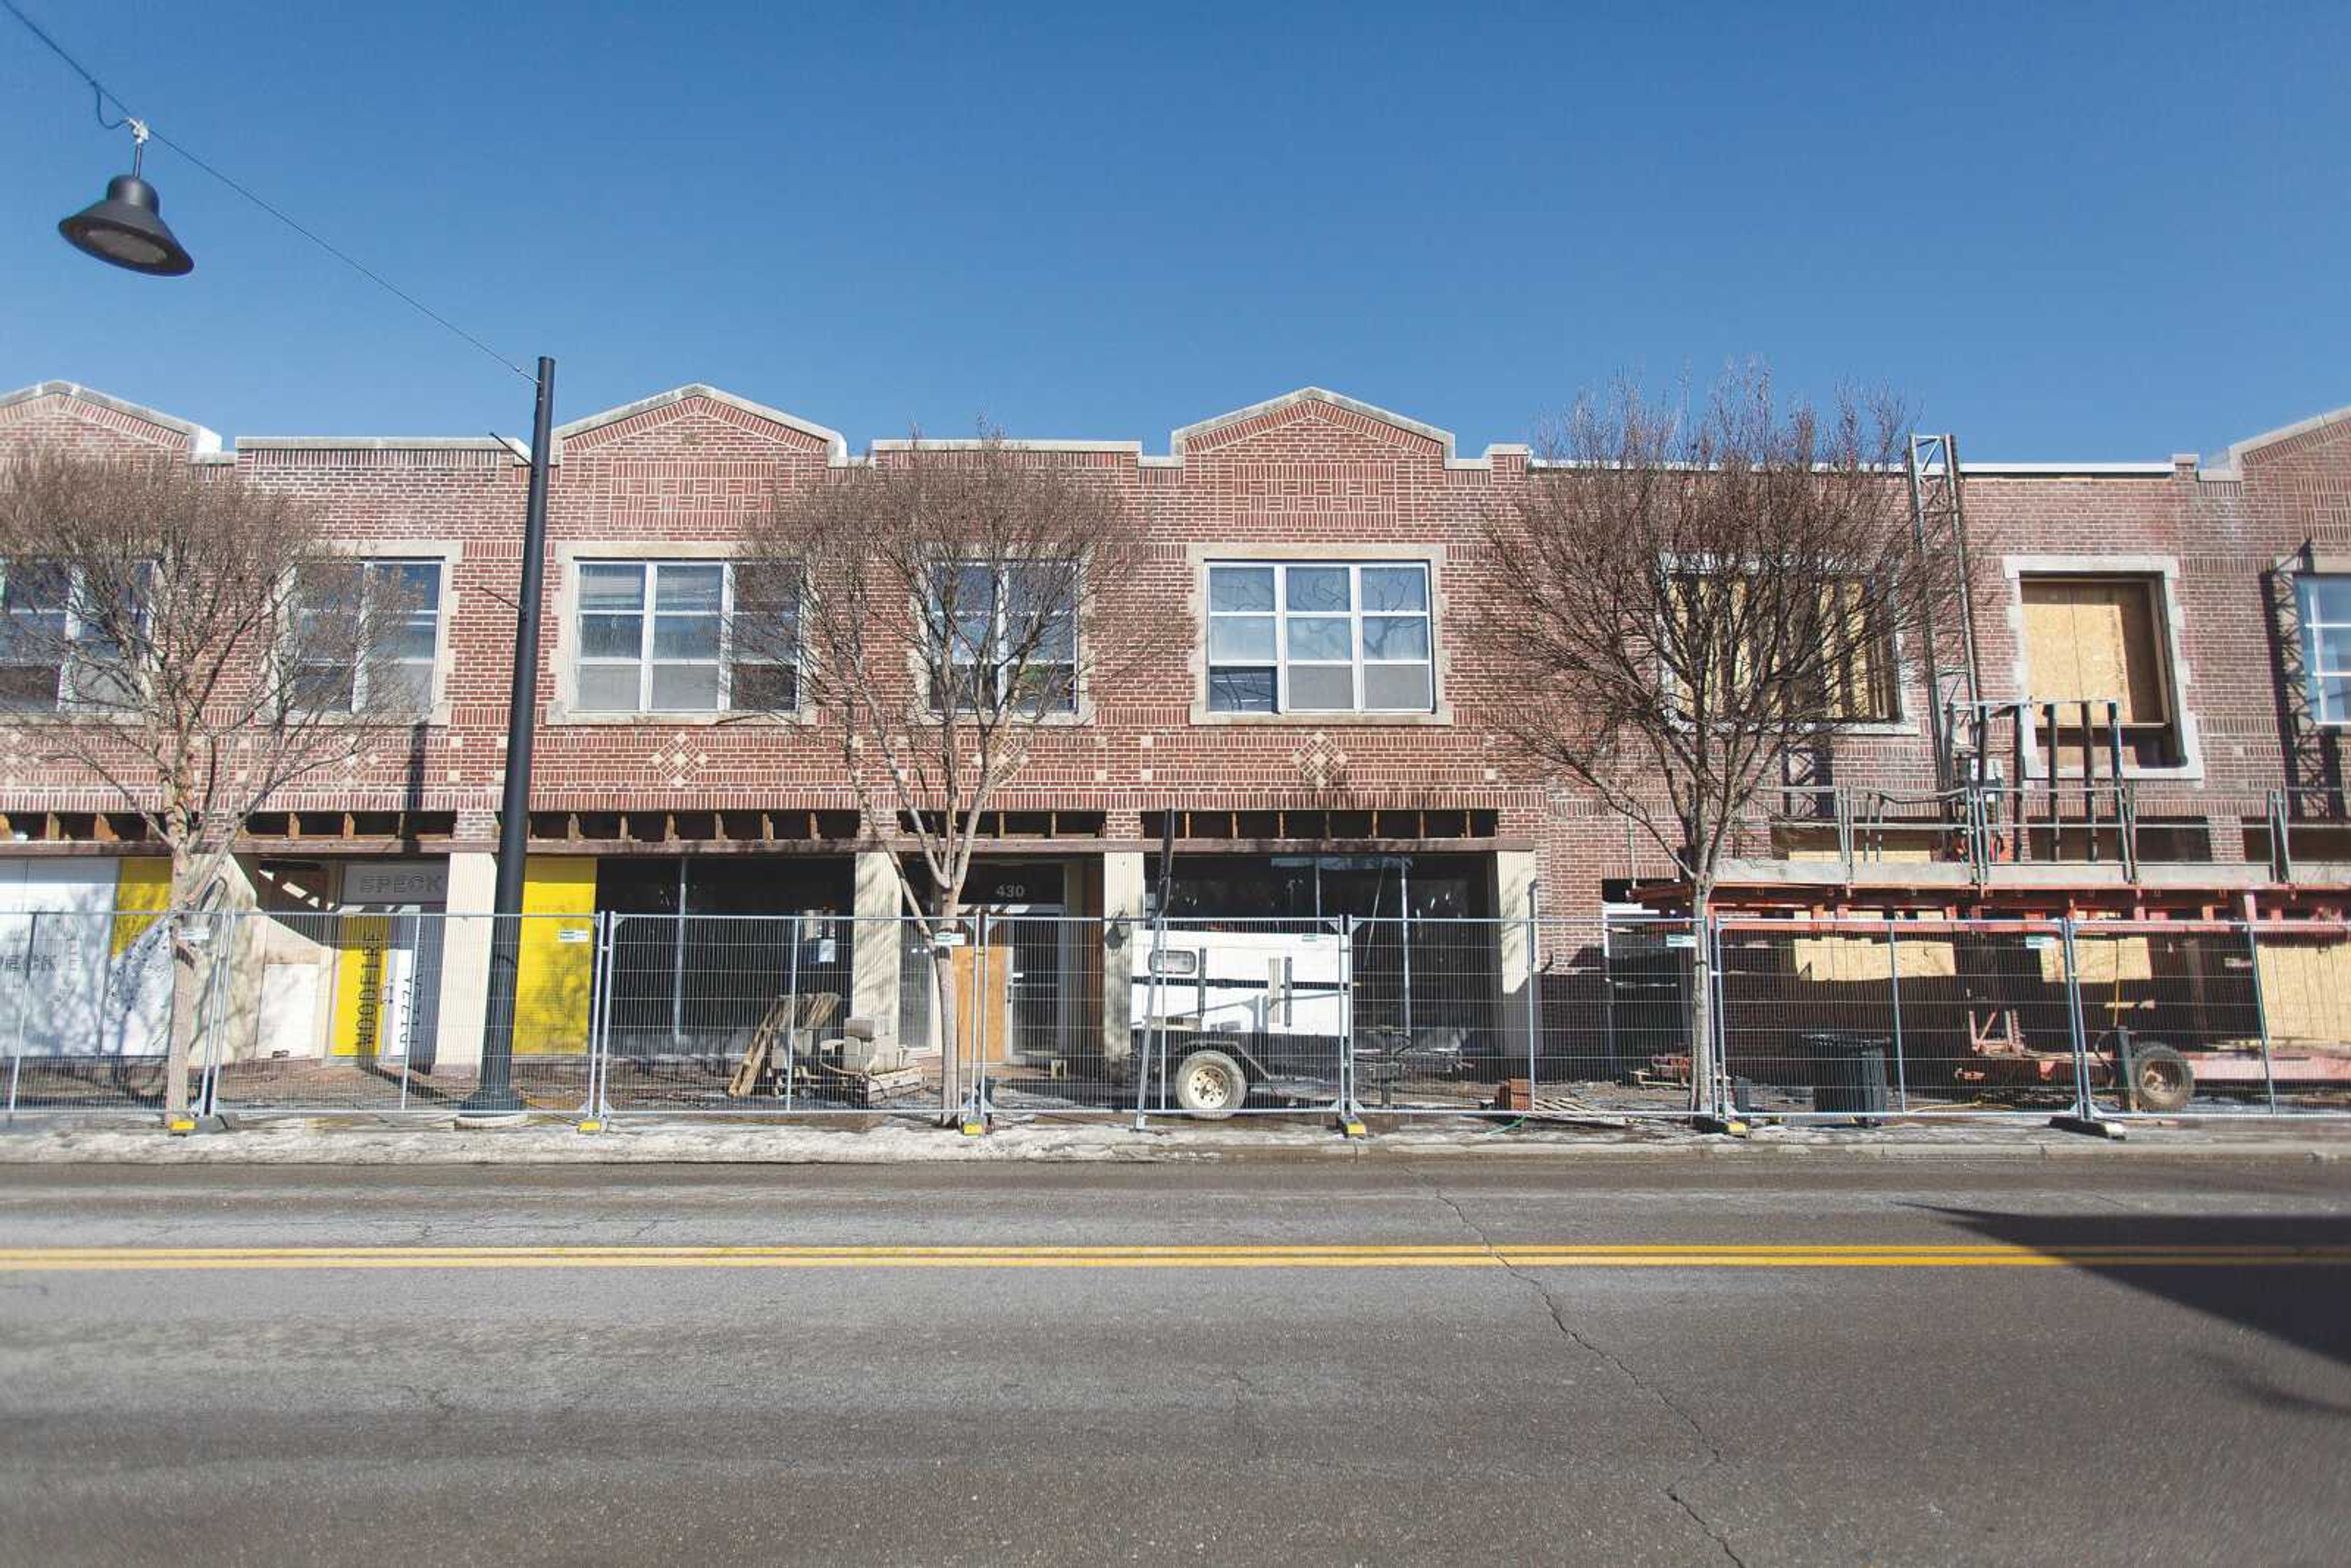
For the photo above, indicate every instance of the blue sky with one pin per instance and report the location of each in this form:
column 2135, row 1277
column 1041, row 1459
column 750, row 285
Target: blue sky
column 2063, row 231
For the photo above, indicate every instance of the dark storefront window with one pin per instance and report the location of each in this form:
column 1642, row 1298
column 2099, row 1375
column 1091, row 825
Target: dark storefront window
column 1302, row 887
column 1418, row 972
column 704, row 983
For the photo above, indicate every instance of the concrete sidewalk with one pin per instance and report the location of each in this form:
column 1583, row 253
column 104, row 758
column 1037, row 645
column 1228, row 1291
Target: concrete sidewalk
column 360, row 1141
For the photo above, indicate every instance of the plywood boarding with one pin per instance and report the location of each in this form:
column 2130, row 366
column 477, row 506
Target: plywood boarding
column 2306, row 990
column 1862, row 682
column 2100, row 960
column 2095, row 637
column 1846, row 959
column 1895, row 855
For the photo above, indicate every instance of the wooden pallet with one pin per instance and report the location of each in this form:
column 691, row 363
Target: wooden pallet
column 771, row 1048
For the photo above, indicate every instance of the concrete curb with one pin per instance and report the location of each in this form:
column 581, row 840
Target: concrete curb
column 296, row 1143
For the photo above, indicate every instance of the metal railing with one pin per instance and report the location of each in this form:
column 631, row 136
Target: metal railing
column 1029, row 1015
column 1985, row 826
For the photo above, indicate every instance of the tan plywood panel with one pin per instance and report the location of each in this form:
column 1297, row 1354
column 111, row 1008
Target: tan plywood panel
column 2306, row 990
column 1844, row 960
column 2095, row 637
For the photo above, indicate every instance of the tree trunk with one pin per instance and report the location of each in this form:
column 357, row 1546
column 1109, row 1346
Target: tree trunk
column 950, row 1025
column 1704, row 1068
column 185, row 989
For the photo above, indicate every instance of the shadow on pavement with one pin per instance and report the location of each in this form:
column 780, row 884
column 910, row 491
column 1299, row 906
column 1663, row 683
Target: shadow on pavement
column 2304, row 1304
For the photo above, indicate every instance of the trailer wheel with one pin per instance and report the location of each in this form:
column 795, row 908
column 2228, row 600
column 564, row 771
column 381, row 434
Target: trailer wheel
column 1211, row 1084
column 2160, row 1080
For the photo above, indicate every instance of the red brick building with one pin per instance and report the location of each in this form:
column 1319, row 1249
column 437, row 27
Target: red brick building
column 2205, row 611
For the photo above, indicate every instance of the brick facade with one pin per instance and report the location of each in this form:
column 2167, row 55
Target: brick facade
column 1307, row 470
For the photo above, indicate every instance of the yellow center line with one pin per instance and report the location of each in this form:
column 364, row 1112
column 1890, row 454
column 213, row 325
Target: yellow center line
column 1540, row 1255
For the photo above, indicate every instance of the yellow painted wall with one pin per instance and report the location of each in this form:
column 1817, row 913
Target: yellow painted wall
column 361, row 941
column 558, row 959
column 144, row 884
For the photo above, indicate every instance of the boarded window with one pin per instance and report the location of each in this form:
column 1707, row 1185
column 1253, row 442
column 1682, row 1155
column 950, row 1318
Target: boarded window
column 1774, row 638
column 2099, row 638
column 1861, row 666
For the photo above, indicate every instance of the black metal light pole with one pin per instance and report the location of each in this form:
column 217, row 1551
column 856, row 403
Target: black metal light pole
column 495, row 1092
column 126, row 229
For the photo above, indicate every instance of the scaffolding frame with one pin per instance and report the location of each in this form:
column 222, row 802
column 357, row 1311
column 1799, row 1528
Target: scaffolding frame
column 1939, row 524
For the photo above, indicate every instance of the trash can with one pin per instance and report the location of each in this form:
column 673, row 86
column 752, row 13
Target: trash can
column 1848, row 1073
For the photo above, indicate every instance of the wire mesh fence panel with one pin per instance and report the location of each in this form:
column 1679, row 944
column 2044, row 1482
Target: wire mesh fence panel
column 2170, row 1018
column 1810, row 1016
column 1040, row 1033
column 85, row 1010
column 1866, row 1018
column 1241, row 1017
column 1610, row 1012
column 1985, row 1018
column 764, row 1015
column 1435, row 1030
column 2301, row 973
column 391, row 1012
column 388, row 1011
column 2214, row 1018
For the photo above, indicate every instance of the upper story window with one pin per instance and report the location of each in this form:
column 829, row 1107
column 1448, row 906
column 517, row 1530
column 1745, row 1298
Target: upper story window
column 1004, row 635
column 1852, row 678
column 366, row 636
column 2100, row 641
column 1320, row 637
column 687, row 636
column 2326, row 647
column 54, row 650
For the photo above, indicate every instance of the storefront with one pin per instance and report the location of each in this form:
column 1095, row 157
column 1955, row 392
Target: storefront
column 84, row 967
column 755, row 928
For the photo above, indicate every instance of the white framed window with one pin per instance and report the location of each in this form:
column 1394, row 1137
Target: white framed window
column 52, row 655
column 396, row 599
column 999, row 622
column 1320, row 637
column 686, row 636
column 2327, row 645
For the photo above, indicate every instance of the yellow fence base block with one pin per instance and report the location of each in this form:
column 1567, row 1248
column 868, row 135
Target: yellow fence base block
column 180, row 1126
column 591, row 1125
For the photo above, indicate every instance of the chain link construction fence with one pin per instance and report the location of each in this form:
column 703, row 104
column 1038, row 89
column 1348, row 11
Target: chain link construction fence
column 1032, row 1016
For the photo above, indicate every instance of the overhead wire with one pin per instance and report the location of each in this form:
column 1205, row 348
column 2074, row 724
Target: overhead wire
column 103, row 95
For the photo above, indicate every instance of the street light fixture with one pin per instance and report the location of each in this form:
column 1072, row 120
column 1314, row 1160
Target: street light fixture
column 127, row 228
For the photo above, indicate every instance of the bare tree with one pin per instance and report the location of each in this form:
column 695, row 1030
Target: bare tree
column 196, row 646
column 1687, row 592
column 955, row 601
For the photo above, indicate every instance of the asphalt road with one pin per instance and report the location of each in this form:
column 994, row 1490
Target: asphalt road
column 1481, row 1395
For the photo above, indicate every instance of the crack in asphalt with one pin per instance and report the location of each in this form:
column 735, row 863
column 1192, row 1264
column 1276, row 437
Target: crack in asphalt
column 1672, row 1490
column 1252, row 1433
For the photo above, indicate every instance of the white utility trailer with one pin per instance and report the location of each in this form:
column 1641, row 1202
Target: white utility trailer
column 1242, row 1011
